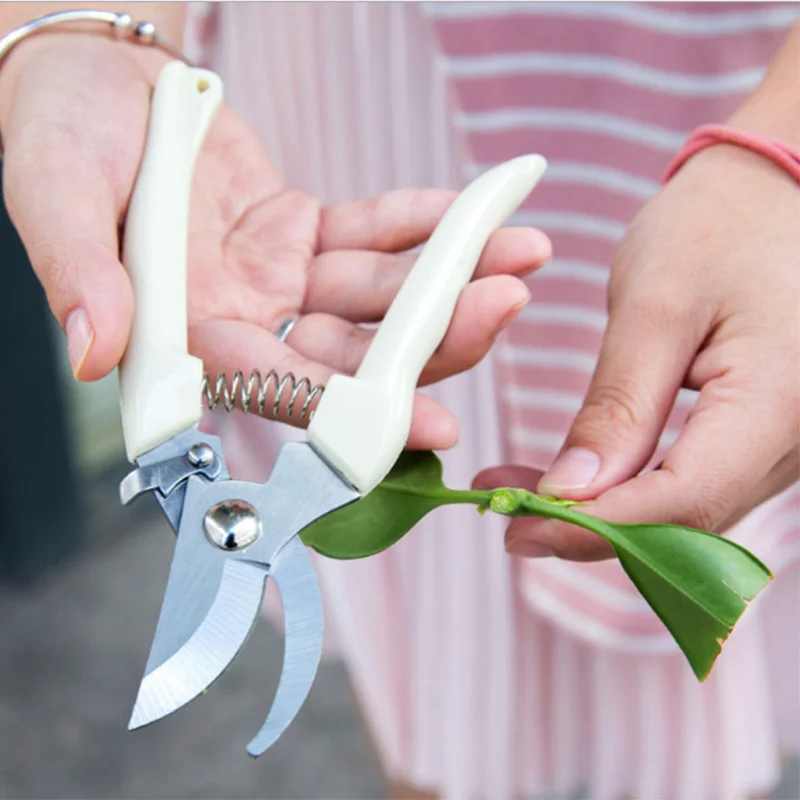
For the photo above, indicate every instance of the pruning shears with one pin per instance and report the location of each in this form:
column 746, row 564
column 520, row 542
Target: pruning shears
column 233, row 535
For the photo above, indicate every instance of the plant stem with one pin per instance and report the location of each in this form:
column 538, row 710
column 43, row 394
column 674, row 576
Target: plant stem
column 478, row 497
column 447, row 496
column 522, row 503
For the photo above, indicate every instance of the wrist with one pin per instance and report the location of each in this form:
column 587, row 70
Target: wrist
column 24, row 28
column 776, row 115
column 724, row 157
column 739, row 183
column 771, row 151
column 59, row 46
column 75, row 39
column 773, row 109
column 169, row 17
column 766, row 126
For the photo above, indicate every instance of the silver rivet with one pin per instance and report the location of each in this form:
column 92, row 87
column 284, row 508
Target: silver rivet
column 201, row 455
column 232, row 524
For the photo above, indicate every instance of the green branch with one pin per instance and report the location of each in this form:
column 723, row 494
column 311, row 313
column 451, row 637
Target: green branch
column 698, row 583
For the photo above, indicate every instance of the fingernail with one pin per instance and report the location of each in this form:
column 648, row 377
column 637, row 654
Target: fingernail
column 574, row 469
column 79, row 338
column 527, row 549
column 513, row 312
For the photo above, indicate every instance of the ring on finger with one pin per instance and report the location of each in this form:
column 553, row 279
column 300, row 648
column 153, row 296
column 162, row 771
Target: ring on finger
column 286, row 328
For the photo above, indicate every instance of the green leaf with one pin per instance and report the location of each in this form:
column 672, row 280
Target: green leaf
column 698, row 583
column 412, row 489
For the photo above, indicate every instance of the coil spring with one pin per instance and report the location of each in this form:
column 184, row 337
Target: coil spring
column 226, row 395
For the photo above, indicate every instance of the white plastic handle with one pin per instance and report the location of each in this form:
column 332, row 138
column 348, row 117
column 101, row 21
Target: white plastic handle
column 160, row 383
column 361, row 424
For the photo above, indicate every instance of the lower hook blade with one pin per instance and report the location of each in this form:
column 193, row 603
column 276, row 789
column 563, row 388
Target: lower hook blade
column 296, row 580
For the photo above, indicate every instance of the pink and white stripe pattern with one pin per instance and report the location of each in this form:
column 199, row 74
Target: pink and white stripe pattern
column 481, row 676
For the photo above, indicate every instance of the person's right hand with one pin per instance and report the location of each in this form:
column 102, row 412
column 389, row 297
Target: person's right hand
column 73, row 116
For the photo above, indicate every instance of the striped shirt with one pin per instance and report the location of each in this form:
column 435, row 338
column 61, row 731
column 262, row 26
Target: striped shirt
column 482, row 677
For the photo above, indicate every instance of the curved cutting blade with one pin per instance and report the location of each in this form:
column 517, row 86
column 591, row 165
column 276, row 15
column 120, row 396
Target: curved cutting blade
column 209, row 650
column 303, row 623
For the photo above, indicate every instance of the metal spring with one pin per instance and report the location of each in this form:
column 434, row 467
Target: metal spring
column 226, row 395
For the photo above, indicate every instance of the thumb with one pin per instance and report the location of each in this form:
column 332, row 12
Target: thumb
column 67, row 216
column 643, row 359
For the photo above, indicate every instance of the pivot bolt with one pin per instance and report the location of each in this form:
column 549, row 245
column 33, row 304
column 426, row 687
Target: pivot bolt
column 232, row 524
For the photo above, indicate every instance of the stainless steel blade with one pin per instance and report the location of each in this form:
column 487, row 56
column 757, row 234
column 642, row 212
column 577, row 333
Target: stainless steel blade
column 302, row 488
column 303, row 626
column 210, row 649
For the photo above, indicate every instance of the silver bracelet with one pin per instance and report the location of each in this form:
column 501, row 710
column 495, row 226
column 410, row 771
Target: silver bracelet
column 122, row 26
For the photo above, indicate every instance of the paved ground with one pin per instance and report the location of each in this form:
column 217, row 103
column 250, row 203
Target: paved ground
column 72, row 654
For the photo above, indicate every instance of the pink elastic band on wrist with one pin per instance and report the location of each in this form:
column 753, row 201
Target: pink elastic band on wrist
column 707, row 135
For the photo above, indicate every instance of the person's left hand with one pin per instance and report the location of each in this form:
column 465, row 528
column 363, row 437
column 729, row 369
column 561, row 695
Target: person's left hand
column 704, row 293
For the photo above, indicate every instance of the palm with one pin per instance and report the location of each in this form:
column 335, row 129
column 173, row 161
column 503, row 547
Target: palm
column 261, row 253
column 252, row 246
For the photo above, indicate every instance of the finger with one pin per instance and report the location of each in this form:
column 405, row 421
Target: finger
column 359, row 285
column 391, row 222
column 649, row 342
column 732, row 454
column 532, row 537
column 736, row 451
column 433, row 427
column 66, row 214
column 484, row 308
column 230, row 345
